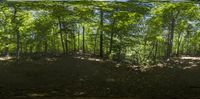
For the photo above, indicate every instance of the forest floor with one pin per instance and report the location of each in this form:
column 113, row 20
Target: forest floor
column 77, row 76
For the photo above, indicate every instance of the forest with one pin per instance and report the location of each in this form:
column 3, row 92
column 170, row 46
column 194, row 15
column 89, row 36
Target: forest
column 95, row 48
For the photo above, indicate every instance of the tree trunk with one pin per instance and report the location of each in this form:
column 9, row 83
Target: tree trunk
column 101, row 33
column 66, row 44
column 45, row 46
column 18, row 35
column 61, row 36
column 188, row 41
column 111, row 37
column 7, row 50
column 21, row 48
column 78, row 41
column 171, row 37
column 155, row 53
column 53, row 41
column 66, row 39
column 83, row 39
column 95, row 41
column 179, row 43
column 74, row 35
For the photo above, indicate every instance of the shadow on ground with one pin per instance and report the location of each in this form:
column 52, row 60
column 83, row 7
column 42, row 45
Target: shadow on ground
column 78, row 77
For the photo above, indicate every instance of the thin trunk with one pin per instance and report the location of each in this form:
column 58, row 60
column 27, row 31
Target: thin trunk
column 21, row 48
column 45, row 46
column 66, row 44
column 188, row 41
column 74, row 41
column 95, row 41
column 83, row 39
column 26, row 48
column 101, row 33
column 151, row 53
column 179, row 43
column 61, row 36
column 111, row 37
column 53, row 42
column 18, row 44
column 18, row 35
column 174, row 15
column 156, row 50
column 78, row 41
column 66, row 39
column 171, row 37
column 7, row 50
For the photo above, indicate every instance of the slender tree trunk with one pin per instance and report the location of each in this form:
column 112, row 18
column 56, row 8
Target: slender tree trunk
column 101, row 33
column 7, row 49
column 66, row 39
column 83, row 39
column 45, row 46
column 188, row 41
column 173, row 15
column 25, row 47
column 53, row 41
column 78, row 40
column 7, row 39
column 171, row 37
column 66, row 44
column 61, row 36
column 74, row 35
column 155, row 53
column 18, row 35
column 179, row 43
column 111, row 37
column 21, row 48
column 95, row 41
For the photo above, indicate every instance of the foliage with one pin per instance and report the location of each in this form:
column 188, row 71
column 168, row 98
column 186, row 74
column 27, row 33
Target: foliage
column 136, row 33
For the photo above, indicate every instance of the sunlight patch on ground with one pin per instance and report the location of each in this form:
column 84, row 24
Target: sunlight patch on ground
column 5, row 58
column 50, row 59
column 118, row 65
column 37, row 94
column 90, row 59
column 189, row 67
column 94, row 59
column 190, row 58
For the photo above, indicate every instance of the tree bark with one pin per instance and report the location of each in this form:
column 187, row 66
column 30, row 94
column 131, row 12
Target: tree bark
column 78, row 41
column 83, row 39
column 74, row 35
column 45, row 47
column 171, row 37
column 179, row 43
column 111, row 37
column 66, row 39
column 173, row 16
column 156, row 50
column 61, row 36
column 188, row 41
column 95, row 41
column 17, row 33
column 101, row 33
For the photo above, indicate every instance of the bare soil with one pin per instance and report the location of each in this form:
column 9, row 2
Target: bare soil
column 79, row 77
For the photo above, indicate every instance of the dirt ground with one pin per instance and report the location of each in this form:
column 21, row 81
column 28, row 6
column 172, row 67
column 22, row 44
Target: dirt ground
column 76, row 77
